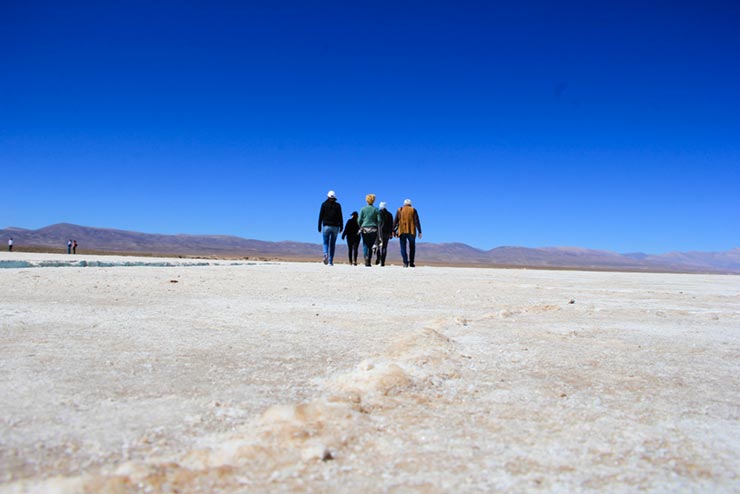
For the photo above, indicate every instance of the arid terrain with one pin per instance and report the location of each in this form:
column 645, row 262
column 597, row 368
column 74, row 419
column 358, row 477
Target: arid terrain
column 246, row 377
column 109, row 241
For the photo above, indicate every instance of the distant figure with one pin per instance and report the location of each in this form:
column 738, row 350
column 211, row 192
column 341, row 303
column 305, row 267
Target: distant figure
column 385, row 233
column 369, row 220
column 69, row 246
column 352, row 232
column 10, row 244
column 74, row 246
column 330, row 225
column 407, row 226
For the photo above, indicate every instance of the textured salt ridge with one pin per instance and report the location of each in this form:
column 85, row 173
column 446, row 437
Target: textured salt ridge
column 279, row 446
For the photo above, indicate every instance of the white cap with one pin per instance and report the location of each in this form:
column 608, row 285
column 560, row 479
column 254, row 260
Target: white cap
column 331, row 194
column 407, row 202
column 382, row 204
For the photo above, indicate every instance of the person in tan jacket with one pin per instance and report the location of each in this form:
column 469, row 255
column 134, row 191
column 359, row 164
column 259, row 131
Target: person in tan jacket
column 407, row 226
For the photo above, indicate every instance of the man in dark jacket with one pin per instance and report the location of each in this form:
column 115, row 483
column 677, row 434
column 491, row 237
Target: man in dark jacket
column 385, row 232
column 330, row 225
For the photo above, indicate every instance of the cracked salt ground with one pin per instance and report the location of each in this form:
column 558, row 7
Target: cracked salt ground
column 227, row 382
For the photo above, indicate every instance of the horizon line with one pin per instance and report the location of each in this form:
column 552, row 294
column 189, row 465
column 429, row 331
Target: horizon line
column 63, row 223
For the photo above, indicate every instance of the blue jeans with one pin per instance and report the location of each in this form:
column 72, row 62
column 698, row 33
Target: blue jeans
column 330, row 241
column 411, row 239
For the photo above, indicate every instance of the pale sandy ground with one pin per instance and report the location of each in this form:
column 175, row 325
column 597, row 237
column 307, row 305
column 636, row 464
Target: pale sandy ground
column 287, row 377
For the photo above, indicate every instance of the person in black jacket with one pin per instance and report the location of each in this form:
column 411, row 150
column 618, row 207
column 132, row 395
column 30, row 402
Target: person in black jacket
column 352, row 233
column 385, row 232
column 330, row 225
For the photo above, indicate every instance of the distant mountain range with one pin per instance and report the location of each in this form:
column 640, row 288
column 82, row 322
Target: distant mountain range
column 54, row 238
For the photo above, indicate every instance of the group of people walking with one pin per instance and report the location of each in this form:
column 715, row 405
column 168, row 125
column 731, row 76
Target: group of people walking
column 374, row 226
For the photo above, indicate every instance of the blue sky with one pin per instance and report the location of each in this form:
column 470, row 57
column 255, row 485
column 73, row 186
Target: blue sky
column 608, row 125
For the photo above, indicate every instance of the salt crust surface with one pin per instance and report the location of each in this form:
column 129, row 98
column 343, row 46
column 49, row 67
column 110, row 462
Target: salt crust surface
column 289, row 377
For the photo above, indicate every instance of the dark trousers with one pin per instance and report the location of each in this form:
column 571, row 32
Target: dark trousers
column 352, row 246
column 383, row 249
column 411, row 239
column 368, row 240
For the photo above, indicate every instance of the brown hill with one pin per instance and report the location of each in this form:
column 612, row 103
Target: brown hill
column 54, row 238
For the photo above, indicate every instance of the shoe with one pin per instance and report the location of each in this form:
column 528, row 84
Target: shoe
column 405, row 265
column 412, row 265
column 354, row 263
column 326, row 259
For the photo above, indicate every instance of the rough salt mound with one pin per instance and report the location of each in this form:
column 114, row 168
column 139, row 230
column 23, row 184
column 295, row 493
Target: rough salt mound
column 286, row 442
column 305, row 378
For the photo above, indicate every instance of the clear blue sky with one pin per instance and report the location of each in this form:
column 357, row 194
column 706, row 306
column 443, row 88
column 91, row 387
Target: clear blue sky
column 608, row 125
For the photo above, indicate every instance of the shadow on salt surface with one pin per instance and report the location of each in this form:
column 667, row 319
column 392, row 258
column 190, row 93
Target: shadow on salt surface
column 282, row 443
column 101, row 264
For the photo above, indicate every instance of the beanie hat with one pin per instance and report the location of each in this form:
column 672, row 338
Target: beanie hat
column 407, row 202
column 382, row 205
column 331, row 194
column 370, row 198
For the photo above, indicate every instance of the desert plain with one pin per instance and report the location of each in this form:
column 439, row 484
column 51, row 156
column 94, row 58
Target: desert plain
column 247, row 377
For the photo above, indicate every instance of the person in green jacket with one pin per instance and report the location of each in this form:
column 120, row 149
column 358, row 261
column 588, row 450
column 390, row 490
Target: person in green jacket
column 368, row 221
